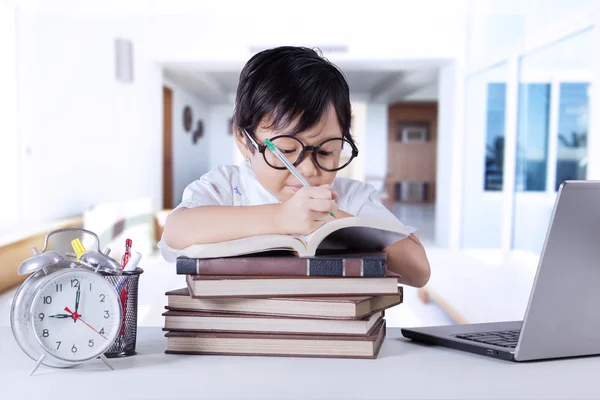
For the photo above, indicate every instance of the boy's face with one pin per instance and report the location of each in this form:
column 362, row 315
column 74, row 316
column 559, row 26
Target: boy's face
column 281, row 183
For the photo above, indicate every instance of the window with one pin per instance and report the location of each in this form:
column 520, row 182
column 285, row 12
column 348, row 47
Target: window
column 571, row 159
column 494, row 131
column 553, row 115
column 532, row 137
column 551, row 132
column 484, row 172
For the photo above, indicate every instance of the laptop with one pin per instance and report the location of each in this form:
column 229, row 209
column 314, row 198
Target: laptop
column 562, row 318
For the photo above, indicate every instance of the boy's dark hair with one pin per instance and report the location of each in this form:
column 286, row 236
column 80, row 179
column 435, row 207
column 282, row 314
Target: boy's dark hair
column 290, row 82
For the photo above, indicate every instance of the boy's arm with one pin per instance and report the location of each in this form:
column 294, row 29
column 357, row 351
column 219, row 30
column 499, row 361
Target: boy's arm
column 212, row 224
column 407, row 258
column 303, row 213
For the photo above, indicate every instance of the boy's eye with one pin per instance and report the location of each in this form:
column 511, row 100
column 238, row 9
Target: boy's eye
column 325, row 153
column 285, row 151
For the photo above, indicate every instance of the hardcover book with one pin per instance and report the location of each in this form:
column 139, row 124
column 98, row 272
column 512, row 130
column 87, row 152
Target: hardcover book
column 269, row 286
column 208, row 322
column 342, row 307
column 351, row 264
column 224, row 343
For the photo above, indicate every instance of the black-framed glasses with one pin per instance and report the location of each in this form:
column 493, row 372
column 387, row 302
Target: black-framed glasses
column 330, row 155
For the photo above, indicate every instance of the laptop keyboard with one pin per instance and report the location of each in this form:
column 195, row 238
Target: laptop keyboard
column 500, row 338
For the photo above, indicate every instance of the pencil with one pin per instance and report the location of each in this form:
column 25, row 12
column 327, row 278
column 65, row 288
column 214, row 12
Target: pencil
column 289, row 166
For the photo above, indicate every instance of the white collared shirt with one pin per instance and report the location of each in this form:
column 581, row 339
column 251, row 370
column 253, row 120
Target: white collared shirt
column 232, row 185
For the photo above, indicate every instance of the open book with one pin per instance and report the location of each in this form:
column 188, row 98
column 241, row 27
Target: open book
column 356, row 234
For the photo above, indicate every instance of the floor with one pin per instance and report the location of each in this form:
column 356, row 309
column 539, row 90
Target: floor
column 160, row 277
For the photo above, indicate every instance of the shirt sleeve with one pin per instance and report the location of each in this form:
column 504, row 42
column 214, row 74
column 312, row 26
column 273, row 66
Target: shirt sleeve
column 212, row 189
column 366, row 201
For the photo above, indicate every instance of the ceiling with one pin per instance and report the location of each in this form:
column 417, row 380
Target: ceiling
column 381, row 83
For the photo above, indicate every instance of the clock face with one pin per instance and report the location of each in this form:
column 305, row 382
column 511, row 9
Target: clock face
column 76, row 315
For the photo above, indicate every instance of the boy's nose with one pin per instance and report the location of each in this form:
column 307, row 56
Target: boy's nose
column 307, row 166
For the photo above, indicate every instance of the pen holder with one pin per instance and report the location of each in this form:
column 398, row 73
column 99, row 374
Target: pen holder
column 127, row 288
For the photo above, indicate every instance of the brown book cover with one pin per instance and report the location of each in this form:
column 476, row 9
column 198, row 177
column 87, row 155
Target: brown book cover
column 284, row 286
column 207, row 322
column 242, row 344
column 350, row 264
column 332, row 307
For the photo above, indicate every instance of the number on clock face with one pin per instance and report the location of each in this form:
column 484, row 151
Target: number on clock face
column 76, row 315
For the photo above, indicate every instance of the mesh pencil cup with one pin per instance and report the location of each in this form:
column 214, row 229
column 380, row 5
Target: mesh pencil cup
column 127, row 287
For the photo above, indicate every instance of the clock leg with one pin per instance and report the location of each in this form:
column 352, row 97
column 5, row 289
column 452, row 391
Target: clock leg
column 37, row 364
column 103, row 358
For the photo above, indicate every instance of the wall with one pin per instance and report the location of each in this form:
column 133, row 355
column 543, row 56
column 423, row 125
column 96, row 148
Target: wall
column 427, row 93
column 190, row 160
column 384, row 24
column 9, row 154
column 221, row 143
column 450, row 155
column 356, row 169
column 100, row 138
column 499, row 25
column 594, row 122
column 376, row 143
column 413, row 162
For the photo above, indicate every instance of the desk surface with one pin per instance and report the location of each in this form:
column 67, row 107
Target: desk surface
column 403, row 370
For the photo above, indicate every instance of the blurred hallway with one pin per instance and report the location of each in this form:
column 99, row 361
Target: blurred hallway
column 420, row 216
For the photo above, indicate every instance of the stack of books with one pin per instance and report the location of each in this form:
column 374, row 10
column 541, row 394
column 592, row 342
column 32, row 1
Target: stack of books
column 253, row 298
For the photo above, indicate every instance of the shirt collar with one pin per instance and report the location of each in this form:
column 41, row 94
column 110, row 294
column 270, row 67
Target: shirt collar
column 257, row 194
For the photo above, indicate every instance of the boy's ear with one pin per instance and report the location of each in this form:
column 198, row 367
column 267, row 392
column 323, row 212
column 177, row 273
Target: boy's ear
column 240, row 142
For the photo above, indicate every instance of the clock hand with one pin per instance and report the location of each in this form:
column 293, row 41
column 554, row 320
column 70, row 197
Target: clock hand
column 78, row 317
column 77, row 300
column 59, row 316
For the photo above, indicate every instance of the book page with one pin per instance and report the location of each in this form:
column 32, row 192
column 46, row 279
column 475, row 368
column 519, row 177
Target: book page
column 356, row 233
column 249, row 245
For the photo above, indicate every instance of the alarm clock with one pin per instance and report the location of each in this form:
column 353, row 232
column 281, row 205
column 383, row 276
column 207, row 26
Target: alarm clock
column 66, row 313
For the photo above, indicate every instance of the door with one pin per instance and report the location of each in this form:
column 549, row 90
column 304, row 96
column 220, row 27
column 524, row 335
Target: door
column 412, row 147
column 167, row 177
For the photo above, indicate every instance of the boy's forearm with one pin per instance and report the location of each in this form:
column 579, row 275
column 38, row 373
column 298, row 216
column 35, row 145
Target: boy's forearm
column 408, row 259
column 212, row 224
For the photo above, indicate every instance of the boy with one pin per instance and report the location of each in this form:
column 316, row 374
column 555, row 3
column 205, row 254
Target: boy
column 301, row 102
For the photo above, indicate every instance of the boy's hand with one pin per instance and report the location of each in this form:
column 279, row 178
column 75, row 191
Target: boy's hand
column 307, row 210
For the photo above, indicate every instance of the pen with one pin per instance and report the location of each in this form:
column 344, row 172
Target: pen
column 289, row 166
column 124, row 296
column 131, row 266
column 127, row 255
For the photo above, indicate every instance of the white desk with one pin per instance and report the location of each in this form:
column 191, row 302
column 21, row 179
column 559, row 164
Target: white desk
column 403, row 370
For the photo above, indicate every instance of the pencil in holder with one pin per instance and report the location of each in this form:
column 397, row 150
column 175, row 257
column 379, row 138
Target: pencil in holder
column 126, row 286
